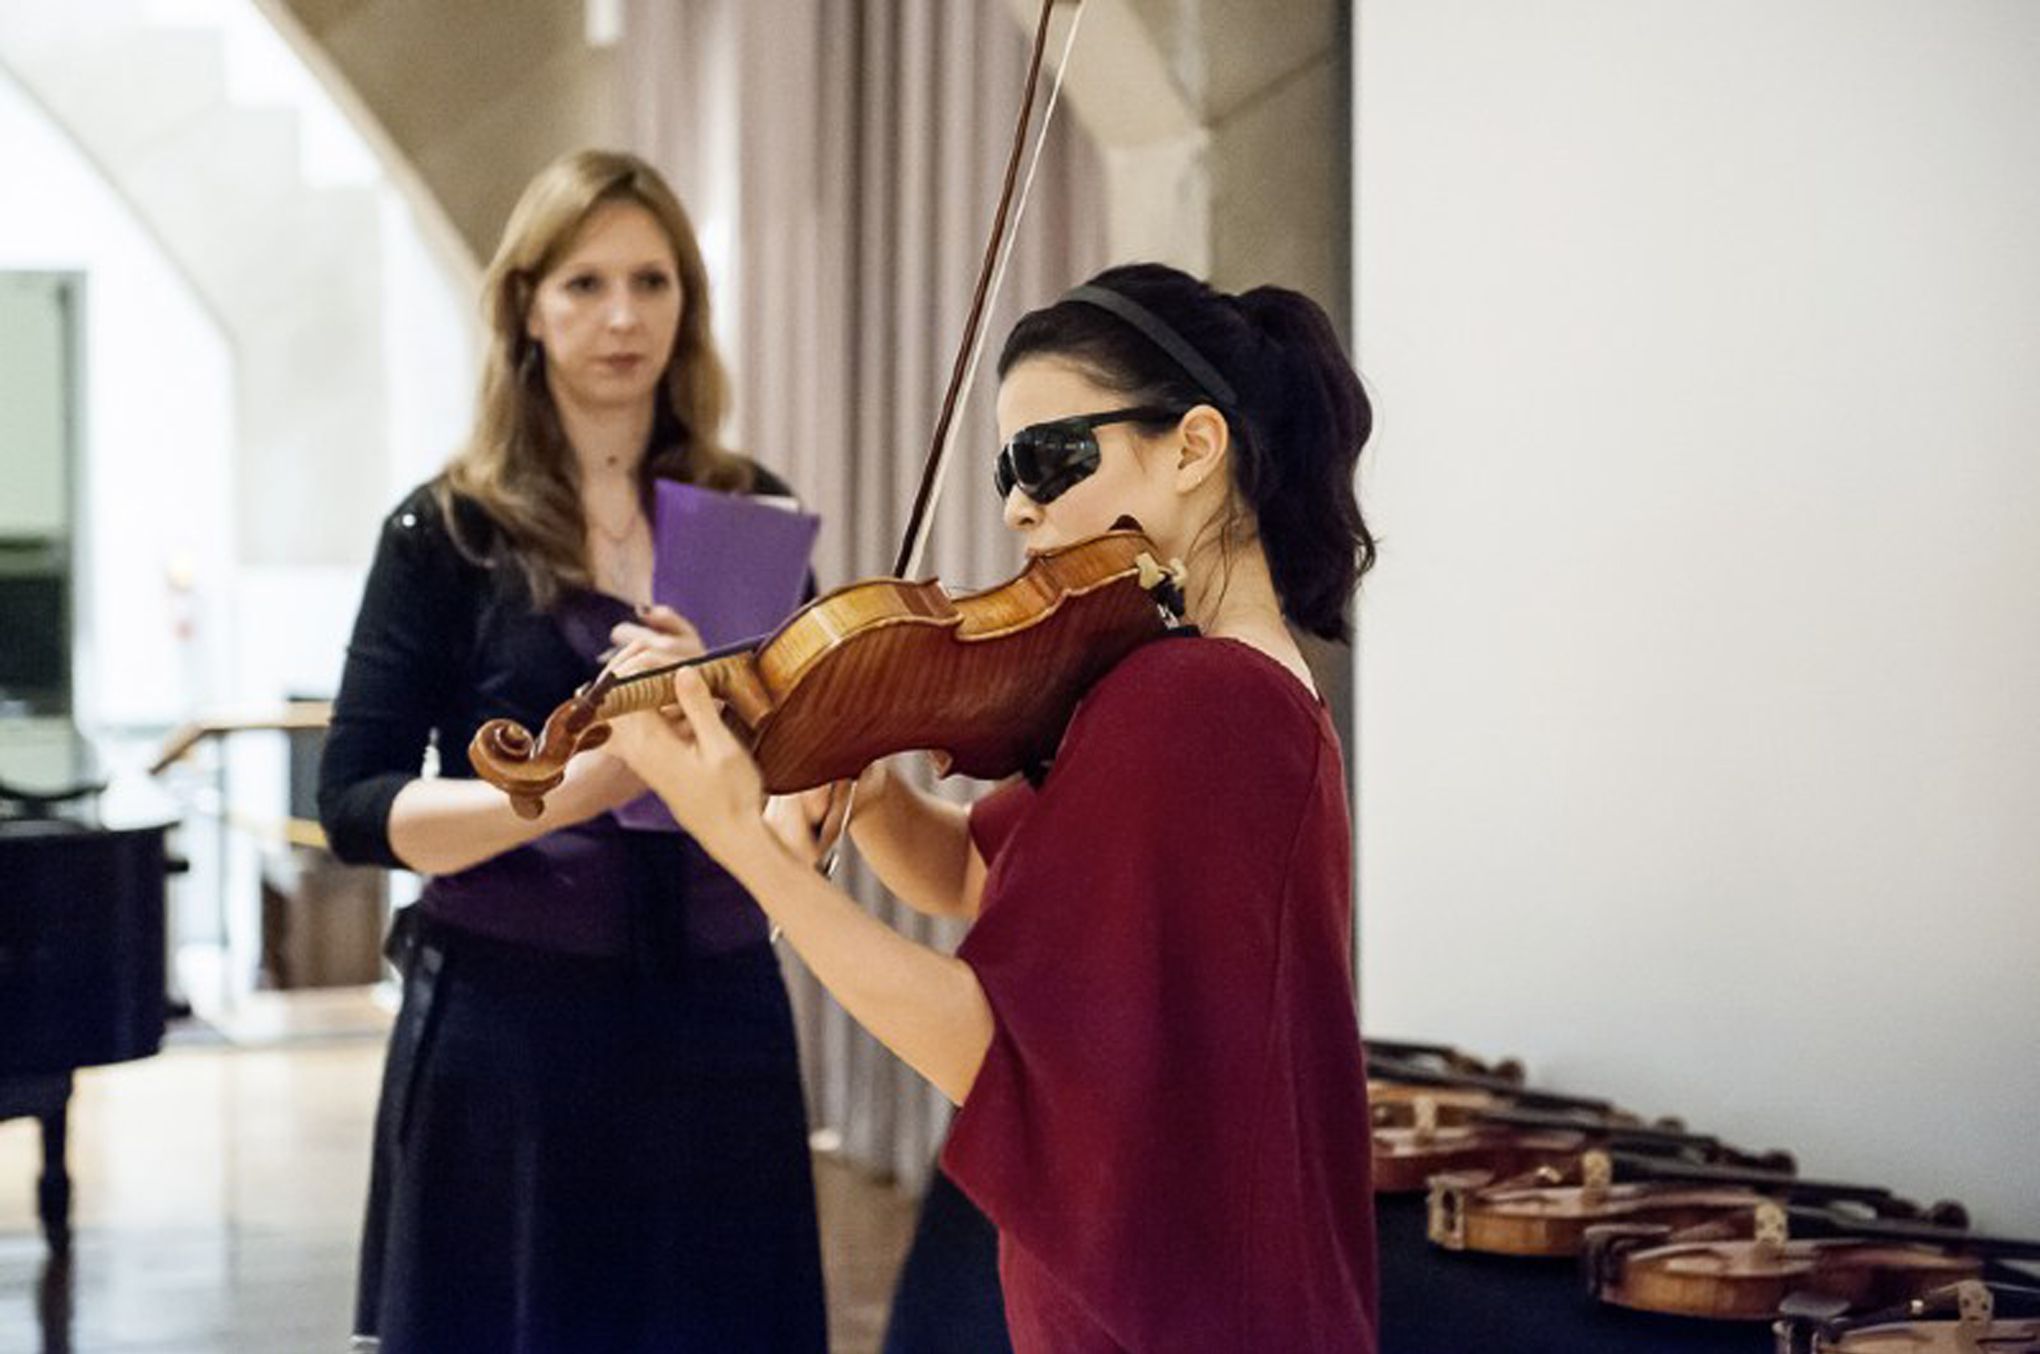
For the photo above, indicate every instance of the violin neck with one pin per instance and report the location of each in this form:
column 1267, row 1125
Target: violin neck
column 1636, row 1166
column 1444, row 1056
column 1635, row 1135
column 653, row 688
column 1823, row 1222
column 1417, row 1074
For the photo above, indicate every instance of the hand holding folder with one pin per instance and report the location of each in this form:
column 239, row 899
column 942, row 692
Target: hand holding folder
column 734, row 566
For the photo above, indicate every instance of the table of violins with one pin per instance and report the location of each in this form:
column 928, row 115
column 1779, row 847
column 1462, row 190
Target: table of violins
column 1525, row 1220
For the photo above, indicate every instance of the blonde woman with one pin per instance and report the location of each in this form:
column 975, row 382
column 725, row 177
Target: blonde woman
column 591, row 1133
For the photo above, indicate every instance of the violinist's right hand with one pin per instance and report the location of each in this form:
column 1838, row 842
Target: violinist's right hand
column 800, row 821
column 875, row 785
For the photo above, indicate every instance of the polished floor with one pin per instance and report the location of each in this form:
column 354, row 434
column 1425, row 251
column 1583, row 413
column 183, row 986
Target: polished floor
column 218, row 1191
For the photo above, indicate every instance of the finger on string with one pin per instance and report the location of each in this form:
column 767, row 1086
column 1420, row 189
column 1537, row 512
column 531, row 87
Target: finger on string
column 703, row 716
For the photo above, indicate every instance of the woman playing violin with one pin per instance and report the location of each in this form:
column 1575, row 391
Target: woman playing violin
column 1150, row 1026
column 591, row 1133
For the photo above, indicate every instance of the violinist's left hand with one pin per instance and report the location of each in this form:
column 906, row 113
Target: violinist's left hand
column 707, row 778
column 801, row 822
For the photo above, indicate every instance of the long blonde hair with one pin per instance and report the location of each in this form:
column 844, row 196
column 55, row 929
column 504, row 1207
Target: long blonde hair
column 516, row 464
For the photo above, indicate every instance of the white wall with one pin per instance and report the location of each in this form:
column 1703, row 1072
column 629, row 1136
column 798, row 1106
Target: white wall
column 158, row 425
column 1699, row 735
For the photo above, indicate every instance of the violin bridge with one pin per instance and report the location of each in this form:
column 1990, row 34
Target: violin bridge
column 1424, row 1113
column 1974, row 1305
column 1445, row 1214
column 1597, row 1173
column 1771, row 1230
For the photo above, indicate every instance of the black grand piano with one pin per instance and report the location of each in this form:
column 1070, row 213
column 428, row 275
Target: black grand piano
column 82, row 871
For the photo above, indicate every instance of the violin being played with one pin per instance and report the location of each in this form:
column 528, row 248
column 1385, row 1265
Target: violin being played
column 986, row 681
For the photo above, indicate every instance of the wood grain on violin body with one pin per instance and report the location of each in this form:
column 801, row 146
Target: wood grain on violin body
column 986, row 681
column 1963, row 1318
column 1546, row 1212
column 1745, row 1268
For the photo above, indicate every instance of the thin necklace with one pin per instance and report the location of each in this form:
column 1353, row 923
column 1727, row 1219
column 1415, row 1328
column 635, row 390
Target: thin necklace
column 616, row 571
column 622, row 534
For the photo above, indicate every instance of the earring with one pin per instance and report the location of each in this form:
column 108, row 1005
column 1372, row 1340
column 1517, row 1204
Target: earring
column 532, row 362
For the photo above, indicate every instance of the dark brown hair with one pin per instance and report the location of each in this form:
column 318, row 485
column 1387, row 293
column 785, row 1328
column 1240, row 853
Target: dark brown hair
column 1298, row 416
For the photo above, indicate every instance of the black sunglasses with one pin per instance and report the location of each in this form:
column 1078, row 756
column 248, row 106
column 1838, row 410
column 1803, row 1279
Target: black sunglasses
column 1046, row 460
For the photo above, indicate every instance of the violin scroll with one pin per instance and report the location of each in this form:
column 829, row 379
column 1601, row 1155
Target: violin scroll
column 525, row 768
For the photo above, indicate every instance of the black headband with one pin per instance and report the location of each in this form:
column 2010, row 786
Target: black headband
column 1162, row 336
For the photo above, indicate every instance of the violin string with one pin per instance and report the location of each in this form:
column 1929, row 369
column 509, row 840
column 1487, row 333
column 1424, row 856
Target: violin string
column 919, row 550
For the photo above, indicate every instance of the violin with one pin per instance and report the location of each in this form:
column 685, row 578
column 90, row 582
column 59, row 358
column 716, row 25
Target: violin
column 1444, row 1057
column 1744, row 1268
column 1396, row 1085
column 986, row 681
column 1506, row 1142
column 1547, row 1211
column 1963, row 1318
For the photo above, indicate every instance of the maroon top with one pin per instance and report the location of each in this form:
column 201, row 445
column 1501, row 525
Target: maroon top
column 1170, row 1128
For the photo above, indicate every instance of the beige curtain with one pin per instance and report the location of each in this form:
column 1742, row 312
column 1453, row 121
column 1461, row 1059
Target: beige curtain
column 850, row 155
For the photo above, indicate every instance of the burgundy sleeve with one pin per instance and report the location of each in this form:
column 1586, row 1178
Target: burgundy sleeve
column 1129, row 950
column 994, row 816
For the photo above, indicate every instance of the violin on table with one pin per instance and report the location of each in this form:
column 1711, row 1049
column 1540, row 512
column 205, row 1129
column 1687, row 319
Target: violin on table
column 1504, row 1142
column 1458, row 1090
column 1970, row 1317
column 1444, row 1057
column 1744, row 1268
column 1546, row 1212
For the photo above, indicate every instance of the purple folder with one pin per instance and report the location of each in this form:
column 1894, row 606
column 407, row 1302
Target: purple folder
column 734, row 566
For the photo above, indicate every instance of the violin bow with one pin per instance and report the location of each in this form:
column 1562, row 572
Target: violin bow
column 991, row 277
column 830, row 831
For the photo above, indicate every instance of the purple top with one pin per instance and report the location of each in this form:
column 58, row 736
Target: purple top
column 443, row 643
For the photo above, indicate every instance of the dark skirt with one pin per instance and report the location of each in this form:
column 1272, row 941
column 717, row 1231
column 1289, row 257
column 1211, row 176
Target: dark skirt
column 948, row 1299
column 576, row 1154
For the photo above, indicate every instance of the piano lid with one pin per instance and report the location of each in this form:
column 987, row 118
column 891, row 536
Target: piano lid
column 52, row 773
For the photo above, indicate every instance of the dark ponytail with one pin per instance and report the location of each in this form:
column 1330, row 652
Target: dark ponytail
column 1297, row 413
